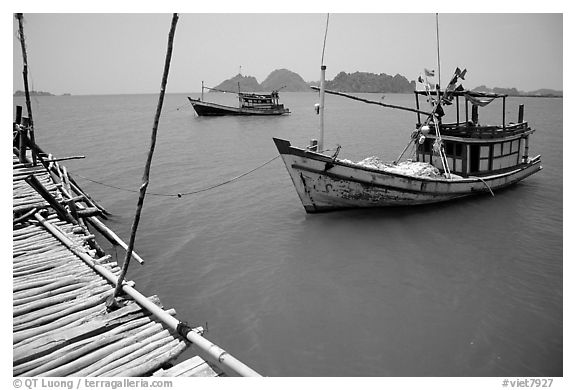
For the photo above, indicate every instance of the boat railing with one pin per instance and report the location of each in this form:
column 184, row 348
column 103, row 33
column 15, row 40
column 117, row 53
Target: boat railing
column 472, row 130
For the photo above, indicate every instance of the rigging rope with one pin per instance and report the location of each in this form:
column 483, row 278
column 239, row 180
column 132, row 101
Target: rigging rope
column 179, row 195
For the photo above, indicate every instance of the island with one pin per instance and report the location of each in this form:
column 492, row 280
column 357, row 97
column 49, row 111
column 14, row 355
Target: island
column 359, row 82
column 32, row 93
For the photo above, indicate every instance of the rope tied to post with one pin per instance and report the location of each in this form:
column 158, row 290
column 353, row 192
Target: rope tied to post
column 181, row 194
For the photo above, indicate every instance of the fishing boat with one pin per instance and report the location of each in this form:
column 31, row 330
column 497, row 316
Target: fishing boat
column 249, row 104
column 451, row 160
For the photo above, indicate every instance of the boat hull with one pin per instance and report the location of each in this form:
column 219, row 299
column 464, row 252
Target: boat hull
column 214, row 109
column 325, row 184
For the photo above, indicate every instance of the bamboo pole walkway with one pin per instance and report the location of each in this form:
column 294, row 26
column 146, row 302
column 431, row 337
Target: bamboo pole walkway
column 61, row 324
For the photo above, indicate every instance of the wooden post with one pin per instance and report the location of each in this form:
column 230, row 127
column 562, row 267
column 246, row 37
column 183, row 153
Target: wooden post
column 466, row 100
column 457, row 111
column 146, row 177
column 18, row 115
column 60, row 210
column 521, row 113
column 418, row 108
column 475, row 114
column 504, row 113
column 22, row 135
column 25, row 75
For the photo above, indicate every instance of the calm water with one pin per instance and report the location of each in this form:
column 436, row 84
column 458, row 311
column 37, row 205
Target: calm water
column 470, row 288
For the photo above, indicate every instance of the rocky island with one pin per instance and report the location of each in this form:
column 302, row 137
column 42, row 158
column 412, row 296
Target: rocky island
column 362, row 82
column 32, row 93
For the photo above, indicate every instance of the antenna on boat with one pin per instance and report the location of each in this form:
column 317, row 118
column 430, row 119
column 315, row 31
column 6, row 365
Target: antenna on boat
column 320, row 146
column 438, row 48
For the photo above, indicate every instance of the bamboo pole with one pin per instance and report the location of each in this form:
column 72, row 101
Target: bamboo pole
column 55, row 298
column 131, row 353
column 65, row 287
column 372, row 101
column 161, row 356
column 59, row 357
column 20, row 18
column 99, row 325
column 89, row 354
column 146, row 176
column 68, row 322
column 111, row 236
column 37, row 185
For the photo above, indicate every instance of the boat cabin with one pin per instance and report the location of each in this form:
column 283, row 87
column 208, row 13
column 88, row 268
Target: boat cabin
column 473, row 149
column 259, row 101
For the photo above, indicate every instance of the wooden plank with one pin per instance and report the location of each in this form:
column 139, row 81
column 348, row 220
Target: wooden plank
column 204, row 370
column 181, row 368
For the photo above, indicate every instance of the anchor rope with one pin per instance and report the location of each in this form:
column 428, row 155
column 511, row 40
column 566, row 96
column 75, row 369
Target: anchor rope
column 179, row 195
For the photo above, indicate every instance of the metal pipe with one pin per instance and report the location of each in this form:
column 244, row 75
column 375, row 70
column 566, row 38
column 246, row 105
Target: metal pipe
column 322, row 90
column 438, row 47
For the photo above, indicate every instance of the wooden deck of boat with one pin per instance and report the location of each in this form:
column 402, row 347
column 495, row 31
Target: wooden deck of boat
column 61, row 325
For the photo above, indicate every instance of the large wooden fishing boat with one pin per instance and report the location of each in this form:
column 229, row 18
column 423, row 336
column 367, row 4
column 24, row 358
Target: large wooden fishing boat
column 451, row 160
column 249, row 104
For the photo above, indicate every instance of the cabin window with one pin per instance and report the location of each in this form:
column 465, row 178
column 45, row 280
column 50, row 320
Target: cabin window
column 458, row 150
column 458, row 165
column 506, row 154
column 515, row 145
column 479, row 158
column 497, row 150
column 453, row 149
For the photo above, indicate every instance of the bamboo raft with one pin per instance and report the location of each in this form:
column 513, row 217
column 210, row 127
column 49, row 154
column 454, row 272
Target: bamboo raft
column 62, row 280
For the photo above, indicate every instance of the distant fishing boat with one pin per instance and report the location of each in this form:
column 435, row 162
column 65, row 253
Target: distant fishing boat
column 450, row 160
column 249, row 104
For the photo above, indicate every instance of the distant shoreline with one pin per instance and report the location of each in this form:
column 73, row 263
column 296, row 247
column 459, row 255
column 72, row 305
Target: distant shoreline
column 37, row 93
column 198, row 92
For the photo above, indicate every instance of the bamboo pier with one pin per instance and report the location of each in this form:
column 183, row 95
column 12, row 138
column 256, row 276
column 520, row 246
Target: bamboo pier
column 63, row 282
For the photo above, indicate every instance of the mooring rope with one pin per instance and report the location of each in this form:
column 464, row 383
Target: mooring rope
column 179, row 195
column 486, row 184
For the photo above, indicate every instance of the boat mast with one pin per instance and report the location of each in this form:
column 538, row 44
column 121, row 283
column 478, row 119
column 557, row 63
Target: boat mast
column 322, row 87
column 438, row 48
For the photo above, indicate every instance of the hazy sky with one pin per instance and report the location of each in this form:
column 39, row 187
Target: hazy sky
column 124, row 53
